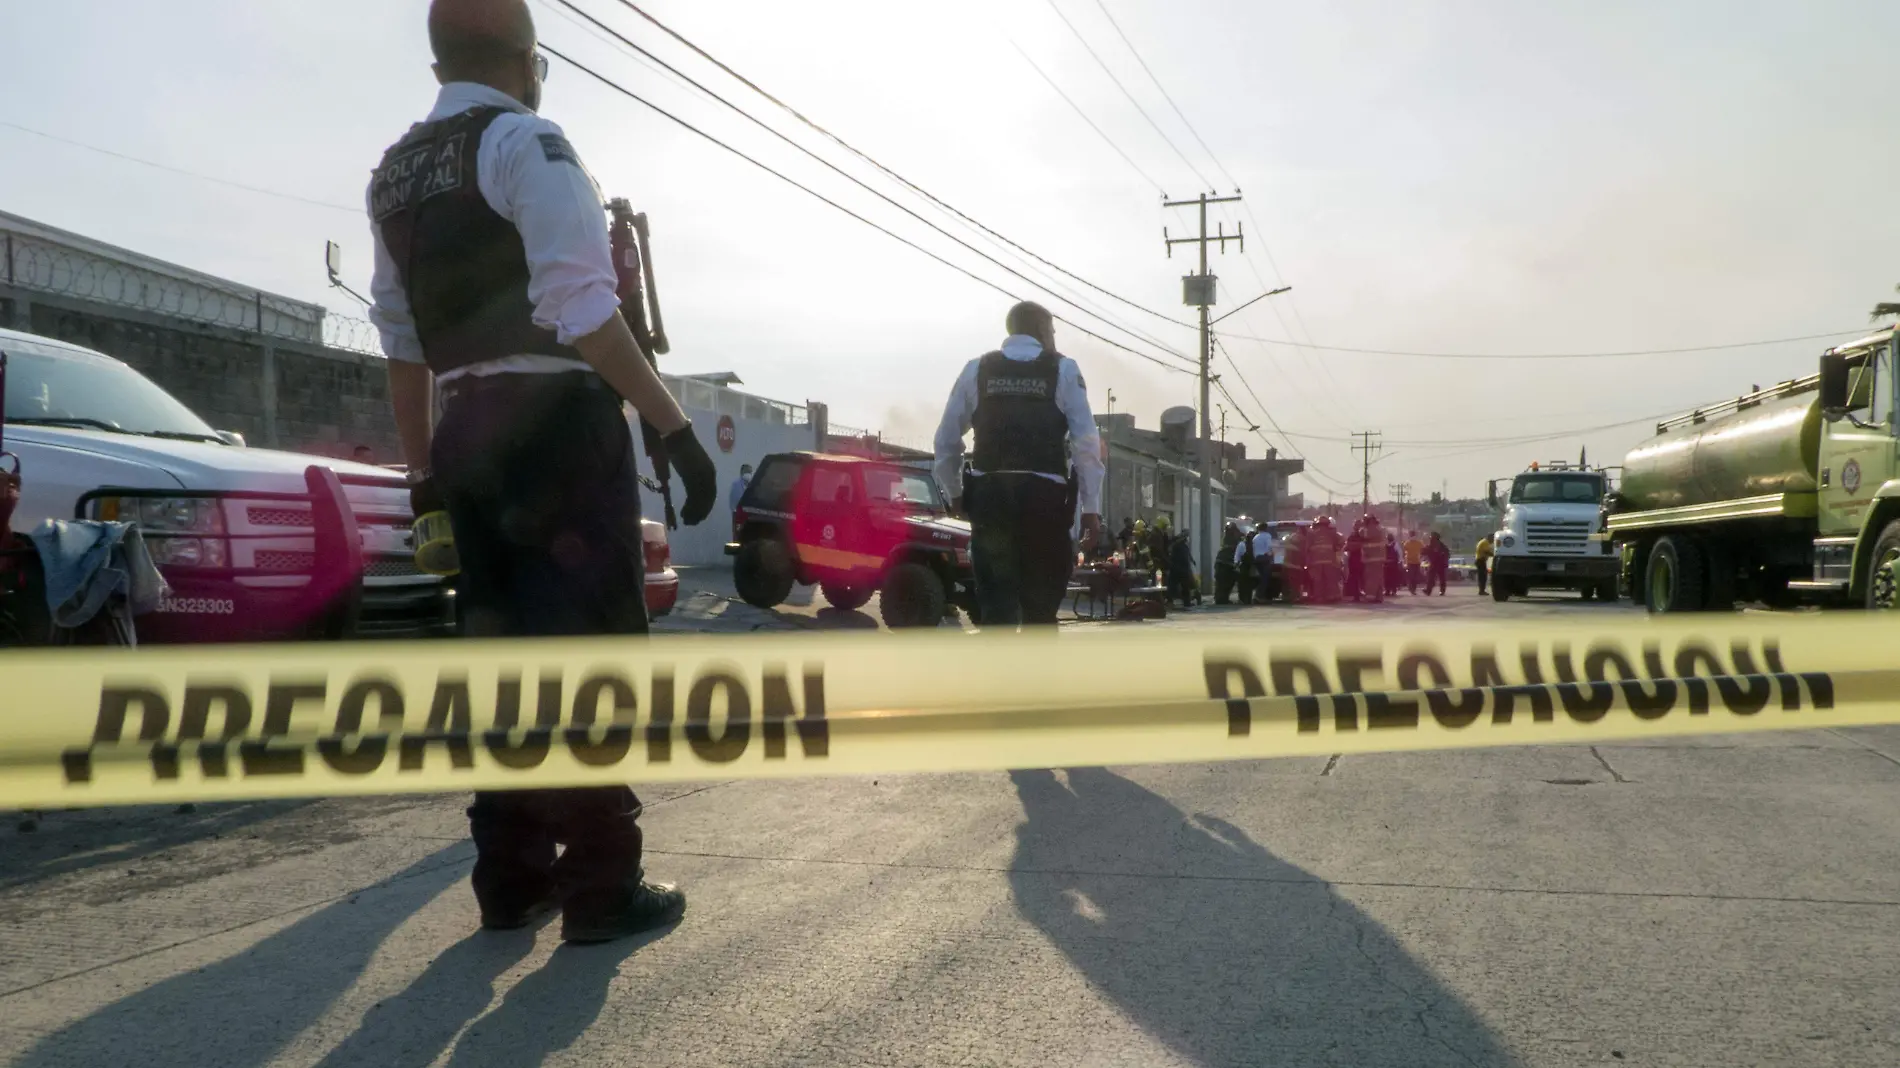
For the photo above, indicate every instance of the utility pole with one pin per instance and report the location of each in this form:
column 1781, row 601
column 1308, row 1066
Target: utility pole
column 1198, row 290
column 1222, row 409
column 1402, row 493
column 1366, row 446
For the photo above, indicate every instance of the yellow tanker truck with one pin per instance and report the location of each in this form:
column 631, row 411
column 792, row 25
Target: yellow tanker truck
column 1785, row 495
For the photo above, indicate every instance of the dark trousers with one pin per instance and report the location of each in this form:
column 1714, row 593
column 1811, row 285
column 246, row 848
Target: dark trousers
column 1435, row 574
column 1020, row 548
column 538, row 473
column 1484, row 574
column 1263, row 580
column 1224, row 574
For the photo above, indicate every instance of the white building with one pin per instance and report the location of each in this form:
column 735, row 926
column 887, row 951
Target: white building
column 736, row 429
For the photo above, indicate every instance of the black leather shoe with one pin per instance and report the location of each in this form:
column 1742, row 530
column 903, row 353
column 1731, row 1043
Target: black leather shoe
column 648, row 906
column 494, row 919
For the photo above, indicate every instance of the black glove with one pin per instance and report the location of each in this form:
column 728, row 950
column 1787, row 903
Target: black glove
column 425, row 498
column 696, row 473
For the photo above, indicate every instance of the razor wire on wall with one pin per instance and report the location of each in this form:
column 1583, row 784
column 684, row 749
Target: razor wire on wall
column 35, row 263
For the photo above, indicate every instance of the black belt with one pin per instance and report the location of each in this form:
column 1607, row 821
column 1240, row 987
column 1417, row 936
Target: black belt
column 518, row 382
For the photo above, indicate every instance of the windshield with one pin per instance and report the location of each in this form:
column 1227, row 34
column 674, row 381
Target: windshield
column 895, row 487
column 81, row 390
column 1570, row 489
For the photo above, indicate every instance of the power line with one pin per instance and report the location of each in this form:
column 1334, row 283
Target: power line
column 755, row 120
column 1557, row 355
column 1165, row 96
column 1314, row 474
column 630, row 94
column 900, row 179
column 1126, row 158
column 261, row 191
column 1508, row 443
column 1205, row 184
column 1285, row 438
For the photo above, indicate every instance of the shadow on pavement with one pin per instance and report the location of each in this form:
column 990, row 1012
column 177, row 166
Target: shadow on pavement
column 1215, row 947
column 549, row 1009
column 831, row 618
column 65, row 842
column 411, row 1029
column 243, row 1010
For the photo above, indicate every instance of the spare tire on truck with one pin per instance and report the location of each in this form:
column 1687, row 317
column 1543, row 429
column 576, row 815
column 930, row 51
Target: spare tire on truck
column 1674, row 579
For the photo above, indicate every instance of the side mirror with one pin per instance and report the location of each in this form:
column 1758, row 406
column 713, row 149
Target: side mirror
column 230, row 437
column 1834, row 372
column 1491, row 493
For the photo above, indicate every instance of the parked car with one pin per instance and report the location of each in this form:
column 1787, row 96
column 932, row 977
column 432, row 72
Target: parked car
column 662, row 582
column 256, row 544
column 855, row 527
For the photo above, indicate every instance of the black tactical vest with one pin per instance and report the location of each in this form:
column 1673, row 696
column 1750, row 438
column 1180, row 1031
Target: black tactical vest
column 1018, row 425
column 462, row 265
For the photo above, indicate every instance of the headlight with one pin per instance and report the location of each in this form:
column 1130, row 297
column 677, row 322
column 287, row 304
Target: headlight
column 174, row 528
column 164, row 515
column 188, row 552
column 1507, row 540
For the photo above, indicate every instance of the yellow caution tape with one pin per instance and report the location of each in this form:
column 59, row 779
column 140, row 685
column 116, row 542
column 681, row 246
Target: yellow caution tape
column 115, row 726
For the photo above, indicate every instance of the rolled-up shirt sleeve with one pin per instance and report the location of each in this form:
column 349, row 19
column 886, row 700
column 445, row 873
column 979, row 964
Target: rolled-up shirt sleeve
column 1085, row 441
column 389, row 309
column 532, row 177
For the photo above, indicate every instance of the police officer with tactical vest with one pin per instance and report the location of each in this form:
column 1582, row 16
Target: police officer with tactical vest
column 1037, row 459
column 494, row 286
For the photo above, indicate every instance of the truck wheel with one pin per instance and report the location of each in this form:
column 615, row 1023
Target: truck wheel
column 1674, row 581
column 913, row 596
column 1606, row 591
column 848, row 598
column 1500, row 588
column 762, row 573
column 1884, row 562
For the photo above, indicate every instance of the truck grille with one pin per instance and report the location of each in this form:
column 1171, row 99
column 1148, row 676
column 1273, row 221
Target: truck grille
column 1558, row 536
column 263, row 516
column 281, row 560
column 390, row 567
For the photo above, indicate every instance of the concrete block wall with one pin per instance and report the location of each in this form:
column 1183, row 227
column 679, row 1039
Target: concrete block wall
column 276, row 392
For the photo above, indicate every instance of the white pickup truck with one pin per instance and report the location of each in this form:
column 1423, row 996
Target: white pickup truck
column 256, row 544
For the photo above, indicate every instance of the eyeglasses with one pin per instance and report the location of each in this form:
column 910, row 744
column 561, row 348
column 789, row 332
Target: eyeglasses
column 540, row 65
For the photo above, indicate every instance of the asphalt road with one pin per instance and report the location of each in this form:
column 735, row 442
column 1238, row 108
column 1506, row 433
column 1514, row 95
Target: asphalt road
column 1716, row 901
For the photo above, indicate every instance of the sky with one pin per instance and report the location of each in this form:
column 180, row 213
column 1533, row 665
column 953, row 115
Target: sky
column 1459, row 176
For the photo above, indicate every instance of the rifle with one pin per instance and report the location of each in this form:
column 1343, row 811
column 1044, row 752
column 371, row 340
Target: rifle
column 633, row 269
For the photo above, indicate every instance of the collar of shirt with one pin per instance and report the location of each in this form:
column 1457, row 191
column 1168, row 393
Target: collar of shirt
column 457, row 97
column 1021, row 347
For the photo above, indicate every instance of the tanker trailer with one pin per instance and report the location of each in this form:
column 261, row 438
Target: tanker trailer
column 1784, row 495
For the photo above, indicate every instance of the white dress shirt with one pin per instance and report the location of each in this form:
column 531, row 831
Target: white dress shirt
column 554, row 204
column 1072, row 399
column 1263, row 547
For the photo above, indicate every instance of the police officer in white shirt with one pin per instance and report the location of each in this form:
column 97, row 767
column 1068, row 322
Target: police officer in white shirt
column 1036, row 461
column 1267, row 554
column 494, row 282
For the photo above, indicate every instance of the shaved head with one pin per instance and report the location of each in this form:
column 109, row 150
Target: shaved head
column 484, row 41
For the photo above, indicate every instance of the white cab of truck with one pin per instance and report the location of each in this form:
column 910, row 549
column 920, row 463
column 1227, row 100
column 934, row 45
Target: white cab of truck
column 254, row 543
column 1549, row 536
